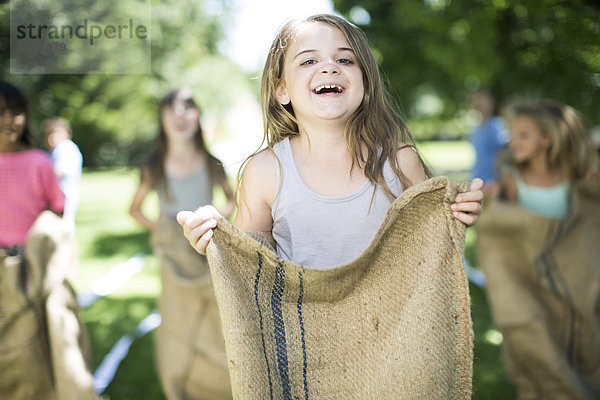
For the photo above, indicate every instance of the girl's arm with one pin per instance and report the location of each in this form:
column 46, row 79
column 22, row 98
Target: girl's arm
column 257, row 192
column 135, row 209
column 467, row 205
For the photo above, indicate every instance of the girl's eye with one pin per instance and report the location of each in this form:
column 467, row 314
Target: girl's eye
column 308, row 62
column 345, row 61
column 12, row 113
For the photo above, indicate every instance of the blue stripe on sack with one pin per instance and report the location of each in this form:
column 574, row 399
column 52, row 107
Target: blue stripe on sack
column 300, row 296
column 279, row 330
column 260, row 319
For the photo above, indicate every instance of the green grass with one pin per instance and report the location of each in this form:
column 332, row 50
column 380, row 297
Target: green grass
column 443, row 156
column 107, row 235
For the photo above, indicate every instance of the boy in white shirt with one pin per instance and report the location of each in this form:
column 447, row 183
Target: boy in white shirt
column 67, row 160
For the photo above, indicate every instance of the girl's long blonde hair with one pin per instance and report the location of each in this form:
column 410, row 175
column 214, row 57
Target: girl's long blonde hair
column 571, row 150
column 375, row 124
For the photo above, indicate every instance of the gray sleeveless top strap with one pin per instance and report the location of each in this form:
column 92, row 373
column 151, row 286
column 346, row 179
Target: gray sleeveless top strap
column 319, row 231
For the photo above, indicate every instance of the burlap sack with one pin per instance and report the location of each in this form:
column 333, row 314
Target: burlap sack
column 190, row 351
column 543, row 285
column 393, row 324
column 44, row 348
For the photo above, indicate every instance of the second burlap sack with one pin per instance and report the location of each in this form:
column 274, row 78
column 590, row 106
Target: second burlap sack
column 543, row 286
column 190, row 353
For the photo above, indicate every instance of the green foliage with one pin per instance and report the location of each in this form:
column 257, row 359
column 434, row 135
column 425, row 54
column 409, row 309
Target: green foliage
column 114, row 116
column 442, row 49
column 433, row 52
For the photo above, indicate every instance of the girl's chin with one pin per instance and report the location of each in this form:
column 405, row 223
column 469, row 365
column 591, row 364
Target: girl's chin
column 181, row 131
column 517, row 157
column 520, row 162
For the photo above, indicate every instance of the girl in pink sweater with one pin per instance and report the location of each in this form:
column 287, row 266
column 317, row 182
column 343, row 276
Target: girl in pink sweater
column 28, row 184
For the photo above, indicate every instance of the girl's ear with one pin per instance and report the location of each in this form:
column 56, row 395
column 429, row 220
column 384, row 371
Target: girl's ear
column 282, row 93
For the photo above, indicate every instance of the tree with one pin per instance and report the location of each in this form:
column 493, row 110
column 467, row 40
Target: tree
column 113, row 115
column 443, row 49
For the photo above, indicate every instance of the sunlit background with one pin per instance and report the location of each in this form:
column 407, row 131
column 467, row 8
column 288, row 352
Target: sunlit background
column 433, row 54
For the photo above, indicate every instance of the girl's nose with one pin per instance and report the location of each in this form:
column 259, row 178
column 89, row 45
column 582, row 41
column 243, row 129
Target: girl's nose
column 330, row 68
column 179, row 109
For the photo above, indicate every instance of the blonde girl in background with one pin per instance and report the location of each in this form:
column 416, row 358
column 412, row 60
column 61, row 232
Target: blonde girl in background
column 189, row 343
column 550, row 150
column 538, row 247
column 337, row 152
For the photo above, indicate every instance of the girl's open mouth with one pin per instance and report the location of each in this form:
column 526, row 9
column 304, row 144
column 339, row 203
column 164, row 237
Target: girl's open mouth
column 325, row 89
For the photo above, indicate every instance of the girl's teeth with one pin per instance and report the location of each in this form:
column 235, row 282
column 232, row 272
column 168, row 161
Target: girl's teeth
column 328, row 89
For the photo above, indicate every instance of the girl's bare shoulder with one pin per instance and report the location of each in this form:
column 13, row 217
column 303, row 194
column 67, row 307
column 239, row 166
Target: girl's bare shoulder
column 262, row 164
column 260, row 174
column 410, row 163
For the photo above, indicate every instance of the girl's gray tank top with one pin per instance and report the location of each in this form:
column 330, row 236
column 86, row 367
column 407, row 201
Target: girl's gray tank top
column 322, row 232
column 187, row 193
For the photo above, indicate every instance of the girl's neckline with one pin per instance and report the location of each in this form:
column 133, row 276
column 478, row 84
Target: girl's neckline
column 344, row 197
column 562, row 183
column 192, row 174
column 17, row 152
column 557, row 179
column 181, row 168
